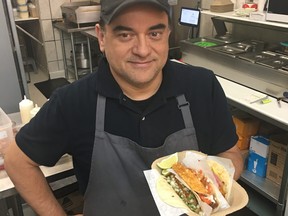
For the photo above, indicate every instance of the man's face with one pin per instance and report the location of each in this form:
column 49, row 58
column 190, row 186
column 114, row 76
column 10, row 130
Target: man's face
column 136, row 46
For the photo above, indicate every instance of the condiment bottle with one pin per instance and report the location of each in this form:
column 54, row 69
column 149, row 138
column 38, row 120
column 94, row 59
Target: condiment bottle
column 25, row 106
column 34, row 111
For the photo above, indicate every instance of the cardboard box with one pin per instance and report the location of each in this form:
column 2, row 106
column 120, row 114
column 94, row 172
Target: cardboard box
column 260, row 145
column 257, row 164
column 258, row 155
column 277, row 157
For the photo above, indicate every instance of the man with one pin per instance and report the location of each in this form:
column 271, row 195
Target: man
column 136, row 108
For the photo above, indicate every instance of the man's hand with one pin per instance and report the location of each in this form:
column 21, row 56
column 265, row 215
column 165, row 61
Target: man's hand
column 235, row 156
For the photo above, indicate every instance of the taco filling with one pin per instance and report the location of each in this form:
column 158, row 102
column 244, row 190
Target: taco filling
column 198, row 182
column 186, row 195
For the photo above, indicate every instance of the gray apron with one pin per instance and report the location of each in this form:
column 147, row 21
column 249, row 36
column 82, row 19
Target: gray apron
column 117, row 185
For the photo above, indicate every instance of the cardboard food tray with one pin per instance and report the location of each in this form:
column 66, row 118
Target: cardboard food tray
column 238, row 197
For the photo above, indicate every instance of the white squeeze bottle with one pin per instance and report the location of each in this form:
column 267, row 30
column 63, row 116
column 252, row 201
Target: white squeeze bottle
column 25, row 107
column 34, row 111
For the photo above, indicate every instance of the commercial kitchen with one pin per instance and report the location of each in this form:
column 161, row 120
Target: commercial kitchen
column 49, row 44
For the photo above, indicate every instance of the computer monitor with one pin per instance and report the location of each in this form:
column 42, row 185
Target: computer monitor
column 189, row 17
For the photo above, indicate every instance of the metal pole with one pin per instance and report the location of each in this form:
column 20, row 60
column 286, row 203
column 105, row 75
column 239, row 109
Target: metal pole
column 74, row 57
column 27, row 33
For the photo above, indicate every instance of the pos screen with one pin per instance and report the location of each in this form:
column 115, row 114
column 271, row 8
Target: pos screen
column 189, row 17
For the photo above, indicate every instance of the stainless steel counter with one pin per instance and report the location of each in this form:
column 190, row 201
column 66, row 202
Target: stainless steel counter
column 70, row 28
column 90, row 34
column 264, row 79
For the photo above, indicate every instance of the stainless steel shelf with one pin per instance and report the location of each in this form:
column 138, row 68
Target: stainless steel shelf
column 264, row 186
column 81, row 72
column 68, row 28
column 18, row 19
column 246, row 21
column 259, row 204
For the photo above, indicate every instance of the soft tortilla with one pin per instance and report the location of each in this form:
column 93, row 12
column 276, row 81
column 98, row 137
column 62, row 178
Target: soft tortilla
column 168, row 195
column 223, row 175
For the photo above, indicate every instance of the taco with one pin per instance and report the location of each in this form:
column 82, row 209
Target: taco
column 199, row 183
column 176, row 194
column 224, row 180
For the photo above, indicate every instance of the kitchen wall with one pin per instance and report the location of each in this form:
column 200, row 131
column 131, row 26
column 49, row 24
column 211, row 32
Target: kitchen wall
column 50, row 10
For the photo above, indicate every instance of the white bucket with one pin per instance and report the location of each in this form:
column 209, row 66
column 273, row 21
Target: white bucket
column 6, row 132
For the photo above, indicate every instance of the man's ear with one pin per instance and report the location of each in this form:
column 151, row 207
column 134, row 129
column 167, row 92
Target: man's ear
column 100, row 37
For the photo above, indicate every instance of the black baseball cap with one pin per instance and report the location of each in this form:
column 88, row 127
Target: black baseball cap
column 111, row 8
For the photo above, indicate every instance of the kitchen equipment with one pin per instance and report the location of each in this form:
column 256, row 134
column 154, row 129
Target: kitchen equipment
column 233, row 49
column 227, row 49
column 258, row 56
column 284, row 69
column 82, row 56
column 243, row 46
column 227, row 38
column 205, row 42
column 277, row 11
column 275, row 63
column 13, row 79
column 81, row 12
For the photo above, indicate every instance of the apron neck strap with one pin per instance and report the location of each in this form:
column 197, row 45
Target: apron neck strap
column 100, row 113
column 184, row 106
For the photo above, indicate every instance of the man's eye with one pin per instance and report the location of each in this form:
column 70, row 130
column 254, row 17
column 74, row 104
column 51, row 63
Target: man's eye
column 155, row 35
column 124, row 36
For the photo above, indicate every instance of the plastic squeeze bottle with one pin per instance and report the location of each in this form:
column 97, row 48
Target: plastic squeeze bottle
column 34, row 111
column 25, row 107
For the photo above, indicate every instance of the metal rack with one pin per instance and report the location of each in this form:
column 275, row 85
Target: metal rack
column 72, row 31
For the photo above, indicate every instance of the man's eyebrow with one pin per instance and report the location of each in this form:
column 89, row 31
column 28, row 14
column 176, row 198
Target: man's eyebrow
column 122, row 28
column 125, row 28
column 158, row 26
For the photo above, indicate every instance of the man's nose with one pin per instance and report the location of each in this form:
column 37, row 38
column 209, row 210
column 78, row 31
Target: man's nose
column 142, row 46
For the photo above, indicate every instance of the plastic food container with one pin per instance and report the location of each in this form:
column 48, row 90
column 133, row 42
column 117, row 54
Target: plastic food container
column 21, row 2
column 23, row 8
column 23, row 14
column 6, row 132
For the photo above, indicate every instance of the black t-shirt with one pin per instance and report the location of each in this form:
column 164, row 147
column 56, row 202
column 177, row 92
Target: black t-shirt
column 66, row 123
